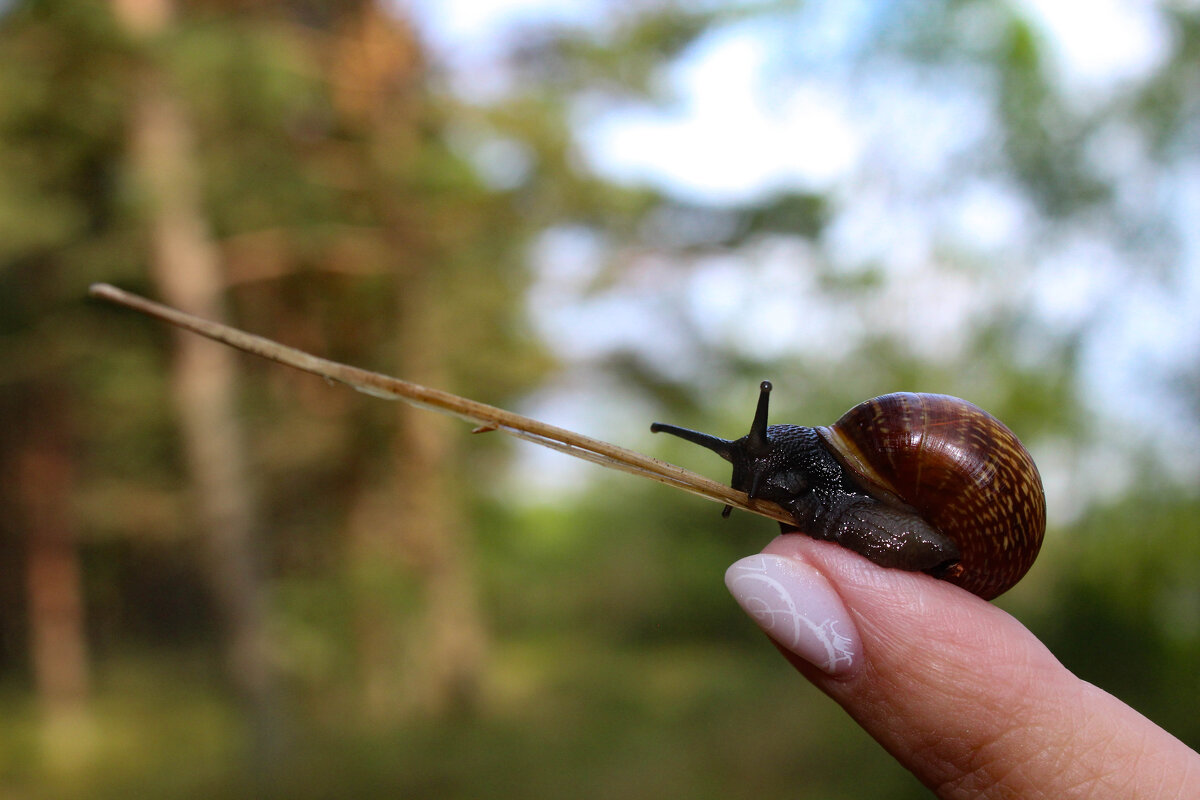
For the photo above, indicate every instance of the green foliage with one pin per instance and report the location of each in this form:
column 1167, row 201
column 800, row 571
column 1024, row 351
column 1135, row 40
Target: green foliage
column 60, row 120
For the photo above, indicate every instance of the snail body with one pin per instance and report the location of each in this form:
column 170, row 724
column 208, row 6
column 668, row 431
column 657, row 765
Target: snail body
column 922, row 482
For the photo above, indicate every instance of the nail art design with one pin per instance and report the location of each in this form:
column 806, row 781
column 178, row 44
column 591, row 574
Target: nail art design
column 797, row 606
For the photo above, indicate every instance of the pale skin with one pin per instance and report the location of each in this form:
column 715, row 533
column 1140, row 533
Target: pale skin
column 973, row 704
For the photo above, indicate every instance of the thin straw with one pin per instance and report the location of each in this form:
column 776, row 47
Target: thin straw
column 486, row 417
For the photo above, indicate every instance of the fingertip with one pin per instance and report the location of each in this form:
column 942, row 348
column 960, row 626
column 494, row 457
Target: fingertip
column 933, row 660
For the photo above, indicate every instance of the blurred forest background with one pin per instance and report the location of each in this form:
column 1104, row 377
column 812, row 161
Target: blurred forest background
column 223, row 578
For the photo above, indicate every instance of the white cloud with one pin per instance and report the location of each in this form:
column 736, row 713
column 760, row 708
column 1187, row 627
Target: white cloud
column 729, row 137
column 458, row 25
column 1102, row 44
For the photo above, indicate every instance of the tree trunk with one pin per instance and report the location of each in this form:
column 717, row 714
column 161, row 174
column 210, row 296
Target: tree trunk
column 447, row 638
column 186, row 267
column 409, row 537
column 427, row 656
column 42, row 476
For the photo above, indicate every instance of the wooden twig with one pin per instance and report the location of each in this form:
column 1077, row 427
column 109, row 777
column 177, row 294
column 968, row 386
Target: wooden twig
column 484, row 417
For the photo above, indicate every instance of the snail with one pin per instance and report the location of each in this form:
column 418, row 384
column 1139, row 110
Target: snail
column 916, row 481
column 922, row 482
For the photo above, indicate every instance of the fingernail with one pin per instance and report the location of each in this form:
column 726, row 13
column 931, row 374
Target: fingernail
column 797, row 607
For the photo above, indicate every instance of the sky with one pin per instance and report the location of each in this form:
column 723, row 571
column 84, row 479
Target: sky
column 813, row 134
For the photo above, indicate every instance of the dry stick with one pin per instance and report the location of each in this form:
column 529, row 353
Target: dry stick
column 486, row 417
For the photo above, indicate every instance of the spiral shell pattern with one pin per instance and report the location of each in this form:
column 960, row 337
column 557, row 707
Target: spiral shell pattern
column 963, row 471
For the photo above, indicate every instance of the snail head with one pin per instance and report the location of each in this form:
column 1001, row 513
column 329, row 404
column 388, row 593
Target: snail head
column 764, row 460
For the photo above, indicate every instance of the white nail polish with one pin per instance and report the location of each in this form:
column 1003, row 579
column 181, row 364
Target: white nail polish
column 798, row 608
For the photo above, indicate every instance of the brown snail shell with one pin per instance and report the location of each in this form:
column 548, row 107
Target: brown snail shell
column 964, row 472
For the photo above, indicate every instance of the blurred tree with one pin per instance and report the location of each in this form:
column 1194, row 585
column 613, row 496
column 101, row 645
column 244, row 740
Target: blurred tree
column 317, row 152
column 58, row 133
column 41, row 481
column 410, row 522
column 363, row 186
column 185, row 266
